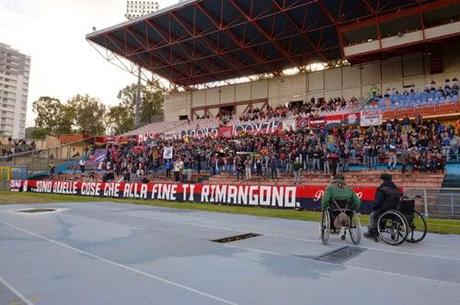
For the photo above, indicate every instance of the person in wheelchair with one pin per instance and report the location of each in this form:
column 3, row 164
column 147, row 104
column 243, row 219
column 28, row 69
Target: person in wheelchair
column 386, row 198
column 338, row 197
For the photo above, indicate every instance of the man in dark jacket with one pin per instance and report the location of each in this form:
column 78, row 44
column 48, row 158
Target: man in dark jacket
column 386, row 198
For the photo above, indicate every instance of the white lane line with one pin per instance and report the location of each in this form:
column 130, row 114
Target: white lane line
column 120, row 266
column 17, row 293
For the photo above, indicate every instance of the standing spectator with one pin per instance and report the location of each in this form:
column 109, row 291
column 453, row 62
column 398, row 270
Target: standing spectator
column 305, row 160
column 82, row 166
column 139, row 173
column 404, row 159
column 178, row 168
column 274, row 167
column 220, row 164
column 188, row 169
column 393, row 160
column 168, row 168
column 418, row 120
column 317, row 155
column 333, row 162
column 239, row 168
column 405, row 123
column 198, row 159
column 213, row 165
column 345, row 156
column 310, row 153
column 52, row 169
column 373, row 157
column 127, row 175
column 327, row 159
column 259, row 166
column 248, row 168
column 446, row 146
column 297, row 167
column 366, row 156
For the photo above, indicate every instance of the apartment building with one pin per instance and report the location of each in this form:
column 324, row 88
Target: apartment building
column 14, row 86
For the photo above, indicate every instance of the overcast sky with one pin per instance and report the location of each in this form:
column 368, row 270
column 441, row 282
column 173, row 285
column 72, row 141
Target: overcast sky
column 53, row 33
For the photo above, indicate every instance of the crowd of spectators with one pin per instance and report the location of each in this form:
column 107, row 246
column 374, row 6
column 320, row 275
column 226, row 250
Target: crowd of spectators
column 421, row 145
column 13, row 147
column 313, row 107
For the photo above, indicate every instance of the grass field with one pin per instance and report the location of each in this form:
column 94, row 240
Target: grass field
column 444, row 226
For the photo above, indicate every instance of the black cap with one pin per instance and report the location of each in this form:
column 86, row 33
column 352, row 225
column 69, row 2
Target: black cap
column 386, row 177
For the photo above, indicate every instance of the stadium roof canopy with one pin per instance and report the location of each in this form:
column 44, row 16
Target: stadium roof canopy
column 203, row 41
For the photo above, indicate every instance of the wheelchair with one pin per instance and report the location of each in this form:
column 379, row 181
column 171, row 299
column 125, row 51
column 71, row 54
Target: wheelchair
column 404, row 223
column 340, row 208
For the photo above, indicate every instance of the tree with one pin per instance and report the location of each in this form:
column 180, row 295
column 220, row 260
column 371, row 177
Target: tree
column 52, row 115
column 87, row 113
column 119, row 120
column 48, row 110
column 151, row 104
column 37, row 133
column 65, row 121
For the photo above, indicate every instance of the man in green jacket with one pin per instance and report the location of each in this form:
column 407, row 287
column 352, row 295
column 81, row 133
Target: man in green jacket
column 338, row 190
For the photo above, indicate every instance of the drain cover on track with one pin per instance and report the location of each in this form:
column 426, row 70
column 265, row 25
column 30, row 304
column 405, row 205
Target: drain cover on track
column 341, row 255
column 32, row 211
column 230, row 239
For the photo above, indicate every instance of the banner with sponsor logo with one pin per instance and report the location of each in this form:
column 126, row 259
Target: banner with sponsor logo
column 371, row 118
column 334, row 120
column 307, row 197
column 317, row 122
column 226, row 131
column 351, row 119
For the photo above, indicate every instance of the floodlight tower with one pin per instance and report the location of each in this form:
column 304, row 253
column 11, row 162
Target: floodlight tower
column 136, row 9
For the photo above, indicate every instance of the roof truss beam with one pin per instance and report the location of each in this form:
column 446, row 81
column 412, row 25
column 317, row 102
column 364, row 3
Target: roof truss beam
column 264, row 33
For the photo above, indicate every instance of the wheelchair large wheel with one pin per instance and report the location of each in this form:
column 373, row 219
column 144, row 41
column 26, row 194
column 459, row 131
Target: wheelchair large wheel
column 325, row 227
column 392, row 227
column 417, row 229
column 355, row 229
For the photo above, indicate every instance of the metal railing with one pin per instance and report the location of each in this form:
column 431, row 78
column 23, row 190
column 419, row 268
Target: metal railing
column 436, row 202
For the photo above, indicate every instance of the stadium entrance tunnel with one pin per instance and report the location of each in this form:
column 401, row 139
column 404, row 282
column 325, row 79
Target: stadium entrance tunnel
column 37, row 210
column 230, row 239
